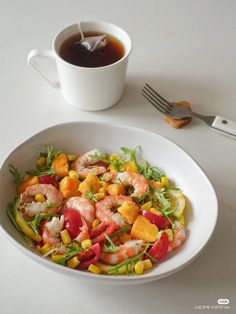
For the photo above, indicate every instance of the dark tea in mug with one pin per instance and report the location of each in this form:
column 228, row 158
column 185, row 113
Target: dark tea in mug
column 75, row 53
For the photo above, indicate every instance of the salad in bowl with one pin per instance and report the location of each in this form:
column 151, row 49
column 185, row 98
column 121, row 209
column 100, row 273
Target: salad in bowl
column 104, row 213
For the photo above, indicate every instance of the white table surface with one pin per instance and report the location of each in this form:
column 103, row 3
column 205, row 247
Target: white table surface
column 186, row 50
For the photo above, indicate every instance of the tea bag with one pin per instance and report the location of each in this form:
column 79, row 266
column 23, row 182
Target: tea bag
column 92, row 43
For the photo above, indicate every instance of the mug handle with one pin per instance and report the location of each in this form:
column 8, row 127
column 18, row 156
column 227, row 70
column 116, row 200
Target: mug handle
column 33, row 55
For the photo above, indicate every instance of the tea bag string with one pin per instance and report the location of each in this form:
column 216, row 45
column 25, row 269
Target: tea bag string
column 92, row 43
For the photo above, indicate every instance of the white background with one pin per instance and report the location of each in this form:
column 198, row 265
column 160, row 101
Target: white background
column 186, row 50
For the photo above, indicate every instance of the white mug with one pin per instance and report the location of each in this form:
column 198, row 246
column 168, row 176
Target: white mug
column 88, row 89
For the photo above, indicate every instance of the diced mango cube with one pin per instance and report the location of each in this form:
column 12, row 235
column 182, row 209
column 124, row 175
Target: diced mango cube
column 61, row 165
column 28, row 182
column 68, row 186
column 116, row 189
column 90, row 184
column 129, row 211
column 143, row 229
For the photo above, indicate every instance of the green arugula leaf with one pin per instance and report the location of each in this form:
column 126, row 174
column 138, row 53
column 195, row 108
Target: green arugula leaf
column 36, row 222
column 129, row 263
column 131, row 153
column 72, row 251
column 17, row 176
column 10, row 208
column 110, row 247
column 120, row 232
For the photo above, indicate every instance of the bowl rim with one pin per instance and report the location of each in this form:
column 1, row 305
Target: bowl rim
column 121, row 279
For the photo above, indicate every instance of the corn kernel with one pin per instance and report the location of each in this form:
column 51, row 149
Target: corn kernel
column 114, row 157
column 95, row 223
column 181, row 219
column 38, row 248
column 155, row 211
column 147, row 206
column 139, row 268
column 147, row 264
column 41, row 162
column 45, row 248
column 73, row 174
column 73, row 262
column 72, row 157
column 99, row 196
column 65, row 237
column 56, row 257
column 94, row 269
column 113, row 170
column 164, row 180
column 130, row 166
column 170, row 235
column 40, row 198
column 86, row 244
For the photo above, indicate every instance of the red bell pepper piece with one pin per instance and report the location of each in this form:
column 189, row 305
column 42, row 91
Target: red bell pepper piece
column 90, row 256
column 160, row 221
column 159, row 249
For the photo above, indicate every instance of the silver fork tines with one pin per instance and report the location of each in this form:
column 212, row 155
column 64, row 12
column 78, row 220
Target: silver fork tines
column 171, row 109
column 156, row 99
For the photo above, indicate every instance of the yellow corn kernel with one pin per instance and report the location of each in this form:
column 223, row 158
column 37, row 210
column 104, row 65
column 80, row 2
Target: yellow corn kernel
column 56, row 257
column 113, row 169
column 130, row 166
column 139, row 268
column 40, row 198
column 95, row 223
column 45, row 248
column 40, row 162
column 147, row 264
column 155, row 211
column 114, row 157
column 73, row 174
column 86, row 244
column 147, row 206
column 72, row 157
column 99, row 196
column 73, row 262
column 170, row 234
column 38, row 248
column 164, row 180
column 65, row 237
column 94, row 269
column 124, row 237
column 181, row 219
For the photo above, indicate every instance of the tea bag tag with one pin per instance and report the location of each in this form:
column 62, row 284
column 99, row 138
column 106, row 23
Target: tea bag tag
column 92, row 43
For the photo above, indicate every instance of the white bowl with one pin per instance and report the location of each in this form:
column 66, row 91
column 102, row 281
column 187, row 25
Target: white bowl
column 202, row 206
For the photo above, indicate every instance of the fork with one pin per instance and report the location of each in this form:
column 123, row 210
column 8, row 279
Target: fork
column 178, row 112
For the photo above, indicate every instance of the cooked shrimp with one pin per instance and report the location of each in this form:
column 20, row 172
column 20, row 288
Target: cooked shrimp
column 104, row 209
column 84, row 234
column 84, row 206
column 86, row 164
column 179, row 236
column 51, row 193
column 136, row 180
column 52, row 229
column 124, row 251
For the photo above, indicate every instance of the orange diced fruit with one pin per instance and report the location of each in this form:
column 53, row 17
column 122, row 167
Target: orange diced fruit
column 68, row 186
column 129, row 211
column 143, row 229
column 28, row 182
column 61, row 165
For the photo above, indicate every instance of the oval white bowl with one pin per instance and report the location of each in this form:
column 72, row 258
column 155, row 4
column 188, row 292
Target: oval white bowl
column 202, row 205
